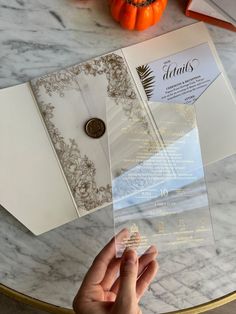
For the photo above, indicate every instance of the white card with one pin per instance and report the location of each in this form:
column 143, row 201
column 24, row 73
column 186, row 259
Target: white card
column 179, row 78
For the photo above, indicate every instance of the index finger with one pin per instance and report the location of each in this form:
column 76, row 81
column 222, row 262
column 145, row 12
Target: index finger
column 98, row 269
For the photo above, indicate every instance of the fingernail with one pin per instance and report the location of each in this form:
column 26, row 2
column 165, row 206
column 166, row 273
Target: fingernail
column 130, row 257
column 151, row 249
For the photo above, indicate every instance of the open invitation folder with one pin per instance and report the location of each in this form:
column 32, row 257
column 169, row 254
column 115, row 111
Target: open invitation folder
column 221, row 13
column 52, row 172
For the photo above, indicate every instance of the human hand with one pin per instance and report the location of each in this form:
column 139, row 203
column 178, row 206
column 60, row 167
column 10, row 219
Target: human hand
column 102, row 293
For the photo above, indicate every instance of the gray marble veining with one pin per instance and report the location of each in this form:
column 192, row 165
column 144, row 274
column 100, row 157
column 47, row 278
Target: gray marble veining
column 39, row 37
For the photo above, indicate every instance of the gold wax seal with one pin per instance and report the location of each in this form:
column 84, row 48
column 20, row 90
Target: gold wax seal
column 95, row 127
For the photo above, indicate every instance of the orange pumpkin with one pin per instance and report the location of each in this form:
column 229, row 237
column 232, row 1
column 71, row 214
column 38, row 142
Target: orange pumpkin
column 137, row 14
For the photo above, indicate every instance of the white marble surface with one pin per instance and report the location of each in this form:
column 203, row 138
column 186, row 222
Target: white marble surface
column 37, row 37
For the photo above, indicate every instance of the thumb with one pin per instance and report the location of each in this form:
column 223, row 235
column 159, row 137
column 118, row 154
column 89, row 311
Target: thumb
column 128, row 277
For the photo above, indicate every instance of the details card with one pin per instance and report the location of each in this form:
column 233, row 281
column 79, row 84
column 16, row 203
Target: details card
column 179, row 78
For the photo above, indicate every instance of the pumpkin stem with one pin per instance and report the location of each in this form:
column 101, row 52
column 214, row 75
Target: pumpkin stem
column 140, row 3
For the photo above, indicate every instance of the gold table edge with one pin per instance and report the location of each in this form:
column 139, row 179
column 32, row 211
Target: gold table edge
column 60, row 310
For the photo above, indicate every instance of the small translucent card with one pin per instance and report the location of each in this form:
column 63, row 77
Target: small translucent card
column 158, row 186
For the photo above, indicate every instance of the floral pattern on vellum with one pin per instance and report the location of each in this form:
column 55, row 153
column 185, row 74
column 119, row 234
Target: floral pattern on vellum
column 79, row 170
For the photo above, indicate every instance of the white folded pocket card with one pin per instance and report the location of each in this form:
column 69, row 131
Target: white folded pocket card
column 54, row 168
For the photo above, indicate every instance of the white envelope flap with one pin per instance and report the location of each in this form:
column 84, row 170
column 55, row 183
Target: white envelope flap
column 32, row 185
column 215, row 112
column 216, row 120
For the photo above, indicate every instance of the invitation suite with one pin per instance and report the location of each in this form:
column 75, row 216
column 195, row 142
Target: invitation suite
column 168, row 110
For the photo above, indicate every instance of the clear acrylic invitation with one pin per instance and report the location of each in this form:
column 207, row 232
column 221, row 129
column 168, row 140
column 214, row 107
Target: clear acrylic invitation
column 158, row 186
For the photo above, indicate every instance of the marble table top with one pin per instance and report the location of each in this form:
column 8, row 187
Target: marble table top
column 37, row 37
